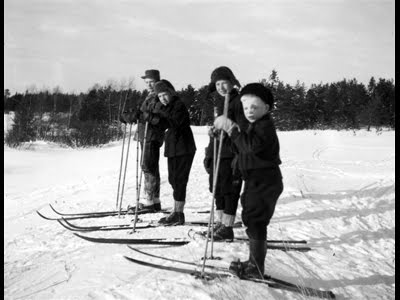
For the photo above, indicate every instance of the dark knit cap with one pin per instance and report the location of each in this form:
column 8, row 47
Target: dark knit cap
column 222, row 73
column 259, row 90
column 164, row 86
column 153, row 74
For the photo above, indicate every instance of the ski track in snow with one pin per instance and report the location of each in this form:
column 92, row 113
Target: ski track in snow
column 339, row 196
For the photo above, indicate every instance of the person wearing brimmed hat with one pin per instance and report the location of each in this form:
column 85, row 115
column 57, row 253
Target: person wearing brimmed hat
column 171, row 114
column 258, row 161
column 229, row 183
column 154, row 141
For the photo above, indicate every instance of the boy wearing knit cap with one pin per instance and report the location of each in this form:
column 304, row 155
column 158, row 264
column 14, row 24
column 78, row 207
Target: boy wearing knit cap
column 258, row 161
column 229, row 183
column 171, row 114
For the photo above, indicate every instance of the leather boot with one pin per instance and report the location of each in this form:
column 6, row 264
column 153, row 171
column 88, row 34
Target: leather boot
column 254, row 267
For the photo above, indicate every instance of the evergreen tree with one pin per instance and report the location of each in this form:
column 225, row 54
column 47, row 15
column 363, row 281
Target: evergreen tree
column 94, row 107
column 23, row 129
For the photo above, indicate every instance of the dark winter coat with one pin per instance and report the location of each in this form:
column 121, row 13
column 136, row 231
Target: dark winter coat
column 154, row 132
column 235, row 113
column 179, row 138
column 258, row 148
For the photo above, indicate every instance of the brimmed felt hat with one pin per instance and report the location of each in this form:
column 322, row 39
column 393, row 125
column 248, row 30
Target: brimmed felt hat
column 222, row 73
column 259, row 90
column 164, row 86
column 153, row 74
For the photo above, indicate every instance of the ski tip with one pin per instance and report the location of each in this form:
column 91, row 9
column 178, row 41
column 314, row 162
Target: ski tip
column 44, row 217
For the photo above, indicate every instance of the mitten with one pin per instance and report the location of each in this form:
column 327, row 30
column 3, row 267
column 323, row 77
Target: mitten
column 157, row 107
column 160, row 109
column 225, row 124
column 130, row 116
column 122, row 119
column 213, row 132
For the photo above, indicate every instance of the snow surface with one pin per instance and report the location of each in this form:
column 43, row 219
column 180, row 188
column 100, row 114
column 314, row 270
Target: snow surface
column 339, row 196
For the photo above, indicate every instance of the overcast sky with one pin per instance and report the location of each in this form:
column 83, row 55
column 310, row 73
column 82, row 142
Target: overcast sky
column 77, row 43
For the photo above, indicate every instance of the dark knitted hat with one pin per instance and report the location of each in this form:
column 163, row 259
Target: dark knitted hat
column 259, row 90
column 164, row 86
column 153, row 74
column 223, row 73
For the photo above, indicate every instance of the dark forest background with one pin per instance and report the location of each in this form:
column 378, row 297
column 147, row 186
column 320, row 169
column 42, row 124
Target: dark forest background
column 92, row 118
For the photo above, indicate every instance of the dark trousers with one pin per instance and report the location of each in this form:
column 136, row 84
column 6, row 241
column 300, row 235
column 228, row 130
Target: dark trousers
column 228, row 187
column 150, row 167
column 178, row 174
column 258, row 201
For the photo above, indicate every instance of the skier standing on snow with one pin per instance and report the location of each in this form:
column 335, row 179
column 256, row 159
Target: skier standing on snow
column 229, row 183
column 258, row 161
column 171, row 113
column 154, row 141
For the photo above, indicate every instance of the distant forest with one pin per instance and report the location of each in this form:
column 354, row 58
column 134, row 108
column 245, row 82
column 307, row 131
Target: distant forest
column 92, row 118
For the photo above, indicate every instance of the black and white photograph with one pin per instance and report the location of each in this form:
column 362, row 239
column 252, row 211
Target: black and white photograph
column 199, row 150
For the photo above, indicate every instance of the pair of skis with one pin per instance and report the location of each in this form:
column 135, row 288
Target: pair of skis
column 220, row 272
column 72, row 227
column 88, row 215
column 63, row 219
column 283, row 245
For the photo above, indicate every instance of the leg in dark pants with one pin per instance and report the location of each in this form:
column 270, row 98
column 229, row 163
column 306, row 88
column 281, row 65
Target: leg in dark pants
column 258, row 201
column 178, row 176
column 228, row 187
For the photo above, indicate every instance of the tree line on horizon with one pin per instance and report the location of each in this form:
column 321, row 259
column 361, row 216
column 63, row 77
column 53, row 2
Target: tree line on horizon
column 92, row 118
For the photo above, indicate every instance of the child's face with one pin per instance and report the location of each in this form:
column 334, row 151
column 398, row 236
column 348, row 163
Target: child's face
column 223, row 87
column 254, row 108
column 165, row 98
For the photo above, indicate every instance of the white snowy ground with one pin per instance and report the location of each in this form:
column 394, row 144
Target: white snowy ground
column 339, row 195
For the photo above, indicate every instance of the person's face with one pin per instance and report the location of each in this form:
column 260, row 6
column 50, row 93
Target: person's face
column 150, row 82
column 223, row 87
column 165, row 98
column 253, row 107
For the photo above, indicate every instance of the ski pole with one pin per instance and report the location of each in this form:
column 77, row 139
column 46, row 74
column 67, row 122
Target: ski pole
column 213, row 200
column 120, row 168
column 126, row 164
column 215, row 180
column 141, row 173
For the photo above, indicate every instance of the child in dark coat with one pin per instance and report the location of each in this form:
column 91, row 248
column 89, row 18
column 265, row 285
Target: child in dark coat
column 258, row 161
column 171, row 114
column 229, row 183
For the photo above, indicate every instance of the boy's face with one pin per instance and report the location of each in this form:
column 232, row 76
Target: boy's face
column 150, row 82
column 165, row 98
column 254, row 108
column 223, row 87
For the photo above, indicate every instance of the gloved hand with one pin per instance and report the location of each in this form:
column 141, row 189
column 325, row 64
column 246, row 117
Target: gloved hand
column 213, row 132
column 122, row 119
column 159, row 109
column 147, row 116
column 225, row 124
column 151, row 118
column 130, row 116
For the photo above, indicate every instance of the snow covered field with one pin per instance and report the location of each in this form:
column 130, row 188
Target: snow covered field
column 339, row 196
